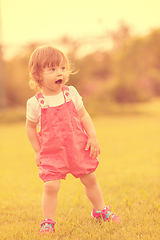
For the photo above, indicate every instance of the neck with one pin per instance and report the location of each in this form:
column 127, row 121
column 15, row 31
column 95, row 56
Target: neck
column 52, row 93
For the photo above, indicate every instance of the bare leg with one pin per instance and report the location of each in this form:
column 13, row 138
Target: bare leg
column 93, row 191
column 49, row 199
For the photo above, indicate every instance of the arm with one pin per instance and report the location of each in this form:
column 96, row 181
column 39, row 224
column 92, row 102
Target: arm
column 89, row 128
column 33, row 138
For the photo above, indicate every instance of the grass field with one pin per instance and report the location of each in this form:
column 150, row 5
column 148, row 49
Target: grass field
column 129, row 176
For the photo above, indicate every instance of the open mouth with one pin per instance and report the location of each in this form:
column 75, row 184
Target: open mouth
column 59, row 81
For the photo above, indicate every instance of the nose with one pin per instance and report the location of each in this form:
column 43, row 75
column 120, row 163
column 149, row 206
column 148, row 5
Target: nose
column 59, row 71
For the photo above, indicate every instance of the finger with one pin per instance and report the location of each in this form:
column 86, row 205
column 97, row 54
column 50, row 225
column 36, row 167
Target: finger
column 39, row 163
column 95, row 152
column 99, row 151
column 92, row 152
column 94, row 155
column 87, row 146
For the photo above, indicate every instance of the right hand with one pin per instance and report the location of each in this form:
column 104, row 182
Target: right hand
column 94, row 147
column 37, row 158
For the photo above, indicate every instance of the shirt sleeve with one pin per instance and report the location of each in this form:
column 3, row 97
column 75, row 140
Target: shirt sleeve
column 76, row 98
column 33, row 110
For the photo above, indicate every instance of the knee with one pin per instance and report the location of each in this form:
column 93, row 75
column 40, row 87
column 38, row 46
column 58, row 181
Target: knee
column 89, row 180
column 52, row 187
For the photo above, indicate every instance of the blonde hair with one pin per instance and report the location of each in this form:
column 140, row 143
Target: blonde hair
column 45, row 56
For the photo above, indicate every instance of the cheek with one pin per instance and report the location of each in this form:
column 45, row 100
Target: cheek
column 65, row 75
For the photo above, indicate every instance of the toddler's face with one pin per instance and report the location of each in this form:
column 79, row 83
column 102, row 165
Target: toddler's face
column 53, row 79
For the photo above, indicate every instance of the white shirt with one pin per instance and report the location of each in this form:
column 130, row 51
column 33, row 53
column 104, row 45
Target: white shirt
column 34, row 110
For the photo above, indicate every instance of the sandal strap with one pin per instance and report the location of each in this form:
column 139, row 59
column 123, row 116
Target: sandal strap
column 49, row 221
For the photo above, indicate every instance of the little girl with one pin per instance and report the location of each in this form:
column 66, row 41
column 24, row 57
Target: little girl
column 66, row 141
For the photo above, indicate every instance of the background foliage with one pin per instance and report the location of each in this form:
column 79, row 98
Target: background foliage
column 127, row 73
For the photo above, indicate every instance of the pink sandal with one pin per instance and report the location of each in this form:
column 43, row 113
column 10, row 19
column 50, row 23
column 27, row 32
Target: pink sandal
column 47, row 226
column 106, row 215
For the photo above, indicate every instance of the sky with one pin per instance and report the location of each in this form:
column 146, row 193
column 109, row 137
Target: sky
column 28, row 21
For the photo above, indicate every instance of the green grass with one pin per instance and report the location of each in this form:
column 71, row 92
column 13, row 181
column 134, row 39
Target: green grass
column 129, row 176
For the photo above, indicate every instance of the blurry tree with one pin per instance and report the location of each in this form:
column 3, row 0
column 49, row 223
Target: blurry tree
column 137, row 69
column 153, row 54
column 120, row 37
column 17, row 77
column 2, row 70
column 3, row 102
column 93, row 71
column 93, row 80
column 71, row 46
column 128, row 73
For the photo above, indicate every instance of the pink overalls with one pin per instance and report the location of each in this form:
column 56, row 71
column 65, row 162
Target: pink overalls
column 63, row 141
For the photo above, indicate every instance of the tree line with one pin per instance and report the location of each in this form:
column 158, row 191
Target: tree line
column 128, row 72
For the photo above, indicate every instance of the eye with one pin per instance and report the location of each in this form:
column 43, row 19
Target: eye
column 52, row 69
column 63, row 68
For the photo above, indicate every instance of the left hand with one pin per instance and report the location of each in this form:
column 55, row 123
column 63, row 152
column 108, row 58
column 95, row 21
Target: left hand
column 92, row 143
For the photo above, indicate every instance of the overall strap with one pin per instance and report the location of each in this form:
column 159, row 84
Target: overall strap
column 66, row 93
column 67, row 98
column 41, row 100
column 44, row 105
